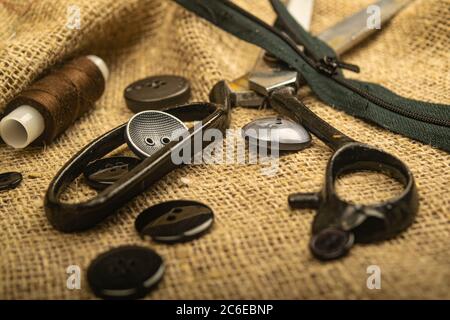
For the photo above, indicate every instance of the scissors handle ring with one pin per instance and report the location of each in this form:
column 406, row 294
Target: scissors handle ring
column 369, row 223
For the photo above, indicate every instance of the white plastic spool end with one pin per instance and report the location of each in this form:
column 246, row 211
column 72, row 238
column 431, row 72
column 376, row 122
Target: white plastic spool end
column 25, row 124
column 21, row 127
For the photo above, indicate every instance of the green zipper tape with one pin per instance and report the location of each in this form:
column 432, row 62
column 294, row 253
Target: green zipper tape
column 423, row 121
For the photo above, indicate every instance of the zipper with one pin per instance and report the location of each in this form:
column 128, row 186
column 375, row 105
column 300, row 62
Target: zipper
column 329, row 66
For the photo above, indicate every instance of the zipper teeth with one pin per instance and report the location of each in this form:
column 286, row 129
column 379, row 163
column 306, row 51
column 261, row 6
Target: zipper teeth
column 392, row 107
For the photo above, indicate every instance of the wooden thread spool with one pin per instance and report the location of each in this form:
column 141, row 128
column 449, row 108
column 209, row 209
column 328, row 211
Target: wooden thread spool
column 49, row 106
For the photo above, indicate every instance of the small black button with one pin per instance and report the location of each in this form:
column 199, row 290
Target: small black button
column 157, row 93
column 102, row 173
column 128, row 272
column 175, row 221
column 331, row 244
column 10, row 180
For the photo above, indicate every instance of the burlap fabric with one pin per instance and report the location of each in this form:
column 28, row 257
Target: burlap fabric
column 258, row 247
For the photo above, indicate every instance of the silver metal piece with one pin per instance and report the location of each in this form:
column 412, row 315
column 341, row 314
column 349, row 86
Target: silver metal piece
column 149, row 131
column 241, row 94
column 268, row 81
column 277, row 133
column 351, row 31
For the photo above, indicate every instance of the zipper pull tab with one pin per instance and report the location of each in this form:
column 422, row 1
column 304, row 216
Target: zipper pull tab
column 329, row 66
column 348, row 66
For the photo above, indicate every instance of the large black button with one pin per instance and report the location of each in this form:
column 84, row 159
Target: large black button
column 175, row 221
column 331, row 243
column 127, row 272
column 157, row 92
column 102, row 173
column 10, row 180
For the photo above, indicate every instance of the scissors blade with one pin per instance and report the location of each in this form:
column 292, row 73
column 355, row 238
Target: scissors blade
column 302, row 11
column 348, row 33
column 341, row 37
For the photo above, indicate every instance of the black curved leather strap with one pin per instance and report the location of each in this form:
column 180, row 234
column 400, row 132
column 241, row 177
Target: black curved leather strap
column 69, row 217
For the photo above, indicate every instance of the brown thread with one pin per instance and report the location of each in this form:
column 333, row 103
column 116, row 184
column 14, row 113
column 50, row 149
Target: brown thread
column 62, row 96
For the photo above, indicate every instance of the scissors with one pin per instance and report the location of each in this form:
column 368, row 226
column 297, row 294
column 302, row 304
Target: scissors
column 337, row 224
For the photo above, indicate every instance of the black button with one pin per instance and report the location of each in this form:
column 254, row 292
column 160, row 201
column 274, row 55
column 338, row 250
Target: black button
column 128, row 272
column 157, row 92
column 331, row 244
column 10, row 180
column 102, row 173
column 175, row 221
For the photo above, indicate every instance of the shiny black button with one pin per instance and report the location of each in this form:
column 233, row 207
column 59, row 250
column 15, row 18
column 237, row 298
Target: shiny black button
column 157, row 93
column 102, row 173
column 331, row 244
column 10, row 180
column 175, row 221
column 277, row 133
column 128, row 272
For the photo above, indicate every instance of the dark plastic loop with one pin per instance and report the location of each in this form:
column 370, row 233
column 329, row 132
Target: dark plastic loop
column 369, row 223
column 69, row 217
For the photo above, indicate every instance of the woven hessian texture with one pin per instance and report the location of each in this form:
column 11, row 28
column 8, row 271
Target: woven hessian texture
column 258, row 247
